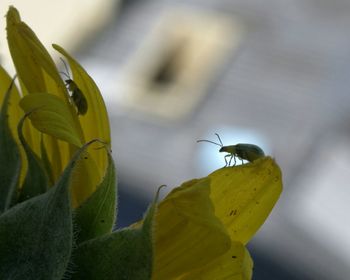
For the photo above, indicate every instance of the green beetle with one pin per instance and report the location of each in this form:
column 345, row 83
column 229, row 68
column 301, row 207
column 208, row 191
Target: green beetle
column 78, row 98
column 247, row 152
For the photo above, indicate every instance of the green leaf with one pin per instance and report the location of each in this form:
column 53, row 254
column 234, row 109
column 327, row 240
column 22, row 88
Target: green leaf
column 124, row 254
column 10, row 162
column 36, row 235
column 36, row 180
column 96, row 216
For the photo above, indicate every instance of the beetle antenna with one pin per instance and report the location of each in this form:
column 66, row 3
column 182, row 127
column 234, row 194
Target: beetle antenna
column 65, row 67
column 210, row 142
column 219, row 139
column 65, row 74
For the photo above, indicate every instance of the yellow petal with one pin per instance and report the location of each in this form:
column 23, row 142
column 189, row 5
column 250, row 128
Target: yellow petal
column 29, row 72
column 56, row 154
column 236, row 264
column 14, row 114
column 14, row 111
column 86, row 177
column 187, row 233
column 37, row 73
column 244, row 196
column 95, row 122
column 30, row 57
column 50, row 115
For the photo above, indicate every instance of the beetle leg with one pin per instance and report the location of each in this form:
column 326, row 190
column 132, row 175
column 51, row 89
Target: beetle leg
column 231, row 156
column 227, row 163
column 234, row 159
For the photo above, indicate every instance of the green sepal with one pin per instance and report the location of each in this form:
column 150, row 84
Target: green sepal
column 36, row 180
column 10, row 162
column 36, row 235
column 97, row 215
column 124, row 254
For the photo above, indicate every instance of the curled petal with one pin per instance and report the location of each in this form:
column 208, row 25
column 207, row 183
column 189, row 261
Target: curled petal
column 50, row 115
column 188, row 234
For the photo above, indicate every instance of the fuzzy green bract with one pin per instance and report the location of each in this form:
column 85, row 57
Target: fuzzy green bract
column 36, row 180
column 36, row 235
column 97, row 215
column 124, row 254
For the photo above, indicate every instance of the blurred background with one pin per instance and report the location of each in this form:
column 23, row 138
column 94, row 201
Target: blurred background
column 272, row 73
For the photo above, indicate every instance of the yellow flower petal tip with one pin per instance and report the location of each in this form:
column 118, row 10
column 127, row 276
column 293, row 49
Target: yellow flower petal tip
column 203, row 225
column 244, row 196
column 12, row 16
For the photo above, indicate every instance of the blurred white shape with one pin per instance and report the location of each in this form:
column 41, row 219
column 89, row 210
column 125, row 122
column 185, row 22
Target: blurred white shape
column 209, row 158
column 174, row 65
column 65, row 22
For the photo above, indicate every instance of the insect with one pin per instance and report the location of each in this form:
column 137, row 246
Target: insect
column 77, row 96
column 247, row 152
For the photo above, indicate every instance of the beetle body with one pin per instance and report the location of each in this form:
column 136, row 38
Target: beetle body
column 78, row 97
column 247, row 152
